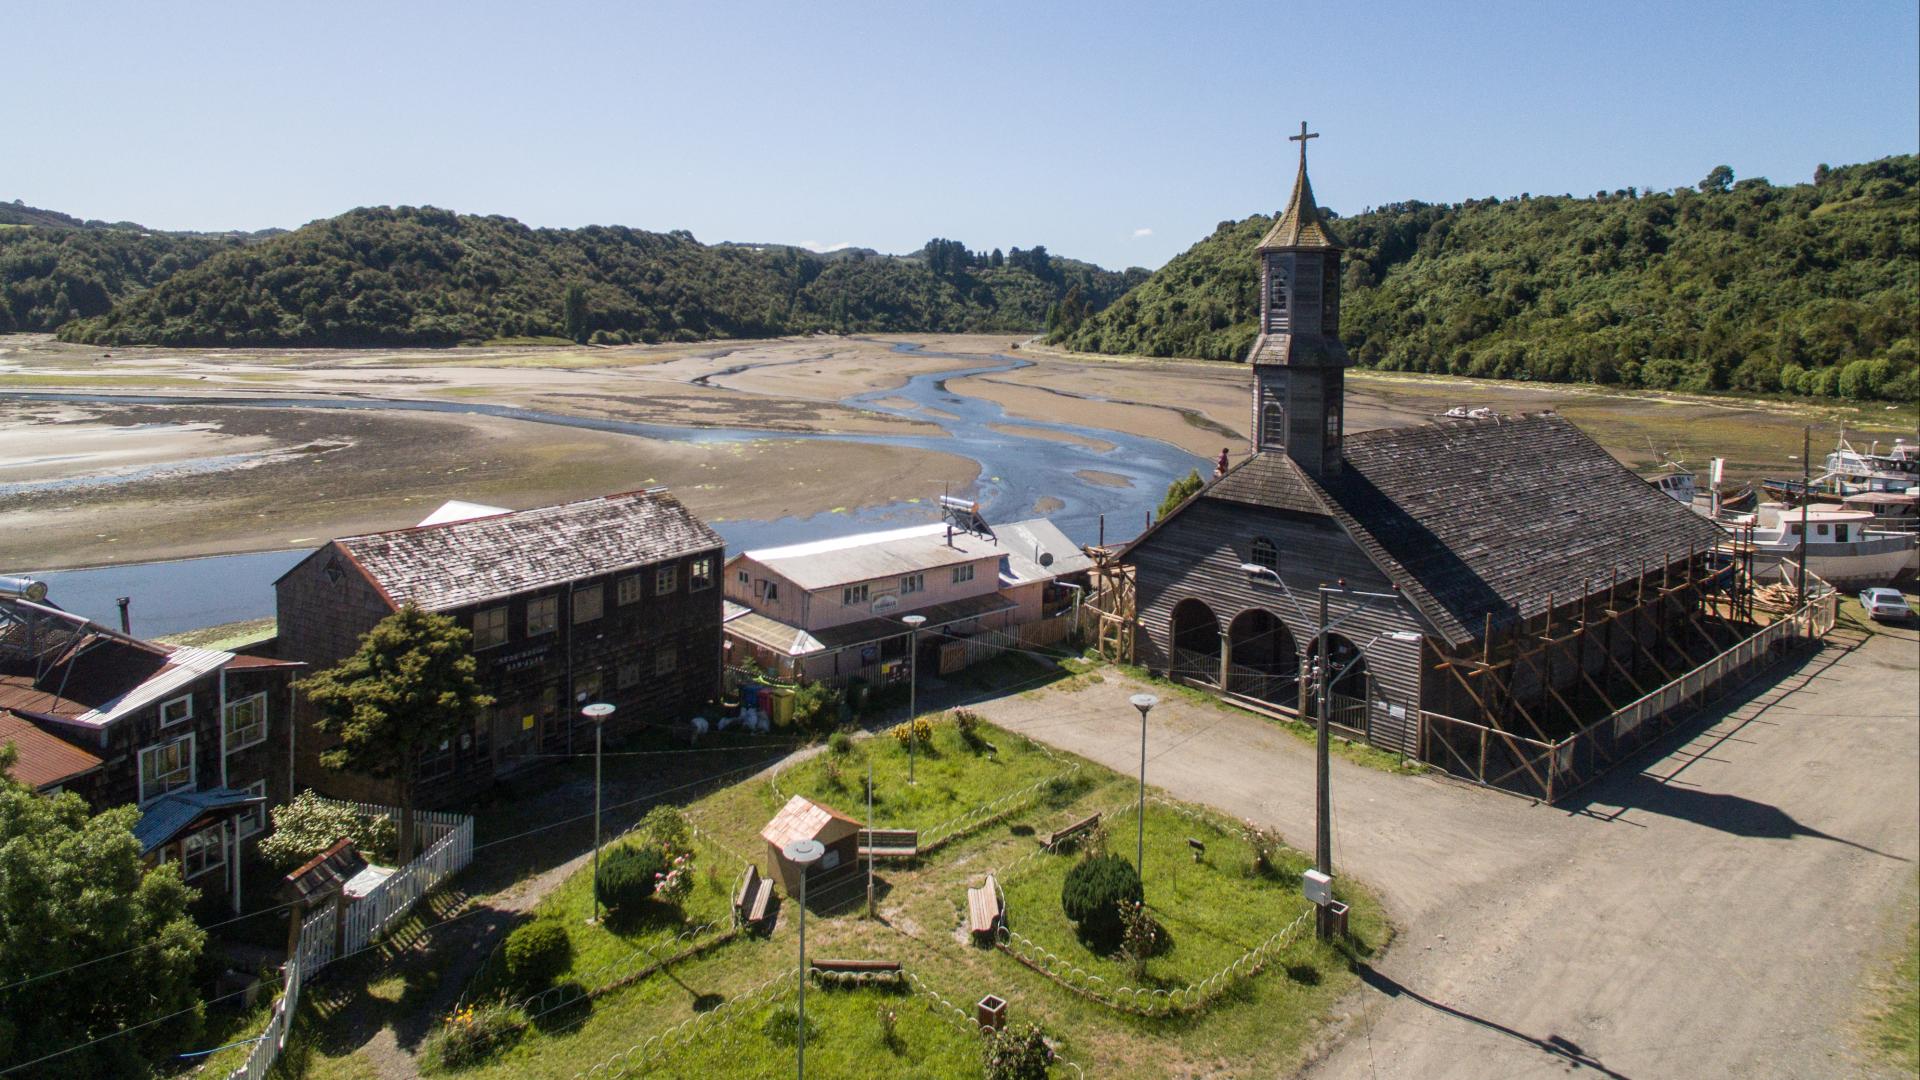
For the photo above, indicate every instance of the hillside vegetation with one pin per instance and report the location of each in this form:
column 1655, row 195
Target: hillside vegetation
column 55, row 268
column 425, row 276
column 1810, row 289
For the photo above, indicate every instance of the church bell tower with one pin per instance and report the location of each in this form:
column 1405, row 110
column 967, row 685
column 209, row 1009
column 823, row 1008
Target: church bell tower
column 1298, row 361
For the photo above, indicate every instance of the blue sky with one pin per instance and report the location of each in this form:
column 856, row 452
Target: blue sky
column 1115, row 133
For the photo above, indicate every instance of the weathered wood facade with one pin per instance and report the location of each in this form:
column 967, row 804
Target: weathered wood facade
column 630, row 616
column 1522, row 579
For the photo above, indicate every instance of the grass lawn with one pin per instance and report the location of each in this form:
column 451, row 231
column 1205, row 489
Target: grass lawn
column 1213, row 910
column 1896, row 1022
column 951, row 779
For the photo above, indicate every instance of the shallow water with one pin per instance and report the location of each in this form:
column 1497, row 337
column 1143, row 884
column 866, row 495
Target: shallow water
column 1017, row 472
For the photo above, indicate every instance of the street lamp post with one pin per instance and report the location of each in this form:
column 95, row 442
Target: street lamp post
column 803, row 853
column 1145, row 703
column 914, row 622
column 598, row 713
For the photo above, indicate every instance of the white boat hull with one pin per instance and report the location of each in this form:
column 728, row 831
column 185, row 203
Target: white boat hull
column 1874, row 561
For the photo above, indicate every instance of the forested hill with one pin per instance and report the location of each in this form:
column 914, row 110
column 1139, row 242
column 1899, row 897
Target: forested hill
column 424, row 276
column 1811, row 289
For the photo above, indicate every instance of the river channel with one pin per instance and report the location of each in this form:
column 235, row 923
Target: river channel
column 1077, row 477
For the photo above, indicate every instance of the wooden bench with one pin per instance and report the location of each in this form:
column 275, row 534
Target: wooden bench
column 753, row 899
column 1071, row 831
column 889, row 843
column 856, row 967
column 983, row 908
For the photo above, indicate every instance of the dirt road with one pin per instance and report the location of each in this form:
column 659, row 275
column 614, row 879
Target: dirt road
column 1708, row 911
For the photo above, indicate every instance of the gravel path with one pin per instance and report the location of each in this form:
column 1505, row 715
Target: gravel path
column 1709, row 910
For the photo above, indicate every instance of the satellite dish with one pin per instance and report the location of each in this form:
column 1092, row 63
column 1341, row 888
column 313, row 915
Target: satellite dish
column 1046, row 558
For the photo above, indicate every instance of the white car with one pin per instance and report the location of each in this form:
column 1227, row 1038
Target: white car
column 1885, row 604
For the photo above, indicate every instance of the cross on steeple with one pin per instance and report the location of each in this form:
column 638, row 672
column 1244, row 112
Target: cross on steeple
column 1302, row 139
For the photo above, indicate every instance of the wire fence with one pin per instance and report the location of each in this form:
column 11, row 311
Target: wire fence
column 649, row 1051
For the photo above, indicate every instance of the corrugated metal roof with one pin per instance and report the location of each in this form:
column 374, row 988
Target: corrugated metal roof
column 465, row 562
column 804, row 819
column 184, row 665
column 791, row 640
column 1038, row 551
column 45, row 759
column 171, row 815
column 847, row 560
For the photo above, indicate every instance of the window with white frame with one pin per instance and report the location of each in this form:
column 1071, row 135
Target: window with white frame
column 963, row 573
column 167, row 767
column 912, row 583
column 489, row 628
column 246, row 722
column 628, row 590
column 700, row 574
column 203, row 852
column 254, row 818
column 588, row 604
column 853, row 594
column 179, row 710
column 665, row 661
column 665, row 580
column 543, row 615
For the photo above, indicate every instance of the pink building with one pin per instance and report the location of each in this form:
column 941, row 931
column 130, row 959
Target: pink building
column 832, row 609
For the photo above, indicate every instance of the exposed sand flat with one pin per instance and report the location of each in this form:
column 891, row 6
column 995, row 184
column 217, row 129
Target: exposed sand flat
column 392, row 468
column 1098, row 445
column 1104, row 479
column 53, row 450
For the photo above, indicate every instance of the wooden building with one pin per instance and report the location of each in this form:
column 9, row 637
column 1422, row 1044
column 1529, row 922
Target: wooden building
column 196, row 738
column 803, row 819
column 1520, row 576
column 611, row 599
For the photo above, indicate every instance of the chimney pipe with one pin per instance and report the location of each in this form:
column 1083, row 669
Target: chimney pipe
column 126, row 623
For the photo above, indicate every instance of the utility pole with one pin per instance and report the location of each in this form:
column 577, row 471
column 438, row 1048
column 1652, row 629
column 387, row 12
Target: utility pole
column 913, row 686
column 1806, row 500
column 1322, row 798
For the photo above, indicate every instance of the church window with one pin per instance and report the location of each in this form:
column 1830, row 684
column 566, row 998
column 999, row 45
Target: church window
column 1272, row 426
column 1265, row 554
column 1277, row 320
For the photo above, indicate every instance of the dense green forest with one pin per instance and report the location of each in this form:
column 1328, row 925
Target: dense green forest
column 1809, row 289
column 424, row 276
column 55, row 268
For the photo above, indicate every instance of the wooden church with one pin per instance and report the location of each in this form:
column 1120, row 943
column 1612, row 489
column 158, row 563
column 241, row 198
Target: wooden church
column 1500, row 575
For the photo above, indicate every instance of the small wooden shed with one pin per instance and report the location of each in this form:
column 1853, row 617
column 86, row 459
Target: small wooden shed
column 804, row 819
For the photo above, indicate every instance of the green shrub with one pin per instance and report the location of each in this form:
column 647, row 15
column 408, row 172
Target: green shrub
column 839, row 745
column 967, row 723
column 537, row 954
column 469, row 1035
column 309, row 825
column 920, row 730
column 1091, row 897
column 816, row 706
column 666, row 827
column 628, row 876
column 1018, row 1055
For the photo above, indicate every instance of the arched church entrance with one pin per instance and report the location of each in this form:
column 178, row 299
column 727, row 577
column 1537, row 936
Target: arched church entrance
column 1263, row 663
column 1196, row 643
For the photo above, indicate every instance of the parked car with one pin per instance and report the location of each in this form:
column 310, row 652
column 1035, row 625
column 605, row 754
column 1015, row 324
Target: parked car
column 1884, row 604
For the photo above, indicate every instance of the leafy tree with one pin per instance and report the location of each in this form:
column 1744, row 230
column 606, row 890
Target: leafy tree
column 407, row 689
column 1719, row 179
column 1178, row 492
column 575, row 314
column 73, row 890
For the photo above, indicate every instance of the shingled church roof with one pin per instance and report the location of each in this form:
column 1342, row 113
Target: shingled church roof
column 1478, row 518
column 1300, row 224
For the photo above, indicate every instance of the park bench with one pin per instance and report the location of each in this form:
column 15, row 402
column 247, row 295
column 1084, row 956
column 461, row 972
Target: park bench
column 983, row 908
column 753, row 899
column 889, row 843
column 1077, row 828
column 857, row 967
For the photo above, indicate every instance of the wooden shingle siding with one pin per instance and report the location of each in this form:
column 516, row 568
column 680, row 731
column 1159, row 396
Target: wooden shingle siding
column 1199, row 554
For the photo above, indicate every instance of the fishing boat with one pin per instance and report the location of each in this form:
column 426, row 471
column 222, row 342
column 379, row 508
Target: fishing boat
column 1844, row 546
column 1893, row 511
column 1852, row 472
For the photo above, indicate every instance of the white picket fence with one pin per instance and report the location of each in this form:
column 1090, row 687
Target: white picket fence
column 325, row 937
